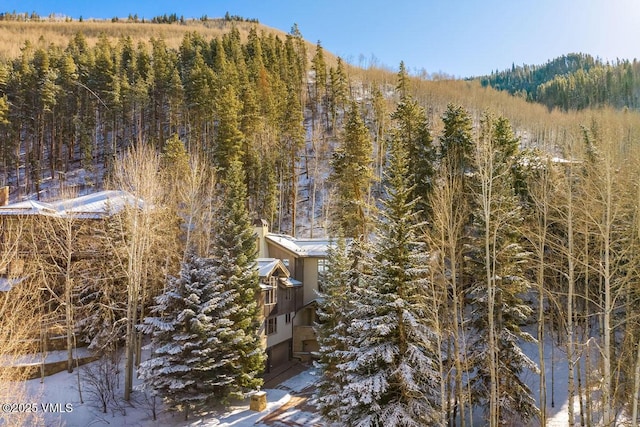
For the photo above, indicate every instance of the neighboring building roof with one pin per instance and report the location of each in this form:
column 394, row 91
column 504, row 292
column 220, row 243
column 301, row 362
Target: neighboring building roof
column 98, row 205
column 28, row 207
column 301, row 247
column 95, row 205
column 267, row 266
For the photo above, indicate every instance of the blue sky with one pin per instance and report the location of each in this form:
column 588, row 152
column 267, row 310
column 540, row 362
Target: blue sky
column 457, row 37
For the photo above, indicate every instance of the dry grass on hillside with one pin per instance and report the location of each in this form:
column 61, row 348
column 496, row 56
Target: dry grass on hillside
column 13, row 35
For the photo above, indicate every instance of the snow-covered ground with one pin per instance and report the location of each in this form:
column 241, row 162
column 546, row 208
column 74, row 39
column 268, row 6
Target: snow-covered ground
column 62, row 389
column 286, row 405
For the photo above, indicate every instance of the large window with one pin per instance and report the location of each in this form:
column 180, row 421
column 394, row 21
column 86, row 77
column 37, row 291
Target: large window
column 322, row 273
column 271, row 325
column 271, row 293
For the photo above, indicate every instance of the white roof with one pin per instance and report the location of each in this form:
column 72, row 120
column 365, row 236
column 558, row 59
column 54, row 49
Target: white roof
column 28, row 207
column 266, row 266
column 96, row 205
column 290, row 282
column 301, row 247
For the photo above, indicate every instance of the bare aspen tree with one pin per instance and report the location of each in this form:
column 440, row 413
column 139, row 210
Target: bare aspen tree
column 569, row 217
column 496, row 266
column 20, row 311
column 608, row 207
column 636, row 368
column 189, row 183
column 485, row 172
column 59, row 256
column 539, row 184
column 137, row 172
column 198, row 200
column 449, row 216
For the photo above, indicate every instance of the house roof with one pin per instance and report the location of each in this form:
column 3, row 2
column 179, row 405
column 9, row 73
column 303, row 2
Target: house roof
column 301, row 247
column 28, row 207
column 289, row 282
column 267, row 266
column 95, row 205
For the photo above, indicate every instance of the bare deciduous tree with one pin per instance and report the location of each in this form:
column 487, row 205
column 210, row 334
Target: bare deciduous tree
column 138, row 172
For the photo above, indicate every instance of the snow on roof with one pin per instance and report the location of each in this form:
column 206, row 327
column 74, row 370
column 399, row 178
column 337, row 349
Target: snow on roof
column 266, row 266
column 561, row 160
column 301, row 247
column 28, row 207
column 290, row 282
column 96, row 205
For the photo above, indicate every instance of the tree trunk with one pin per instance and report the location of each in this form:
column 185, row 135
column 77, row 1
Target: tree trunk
column 636, row 388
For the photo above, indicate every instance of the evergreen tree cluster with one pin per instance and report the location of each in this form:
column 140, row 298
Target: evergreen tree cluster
column 205, row 346
column 573, row 82
column 79, row 106
column 385, row 331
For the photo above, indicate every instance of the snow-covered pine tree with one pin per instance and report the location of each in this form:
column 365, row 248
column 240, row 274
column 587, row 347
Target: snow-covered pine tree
column 233, row 250
column 333, row 308
column 388, row 371
column 495, row 267
column 193, row 355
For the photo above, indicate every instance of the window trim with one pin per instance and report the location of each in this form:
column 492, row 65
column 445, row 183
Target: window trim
column 271, row 292
column 271, row 326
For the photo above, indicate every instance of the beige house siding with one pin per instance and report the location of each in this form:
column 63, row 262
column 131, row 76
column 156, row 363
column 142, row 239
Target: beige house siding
column 284, row 331
column 310, row 280
column 286, row 257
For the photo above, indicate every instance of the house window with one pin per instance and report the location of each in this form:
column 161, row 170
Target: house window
column 322, row 273
column 272, row 326
column 287, row 294
column 271, row 293
column 271, row 296
column 287, row 318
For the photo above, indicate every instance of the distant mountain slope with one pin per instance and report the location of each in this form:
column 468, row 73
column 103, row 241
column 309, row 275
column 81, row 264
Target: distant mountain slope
column 573, row 82
column 14, row 33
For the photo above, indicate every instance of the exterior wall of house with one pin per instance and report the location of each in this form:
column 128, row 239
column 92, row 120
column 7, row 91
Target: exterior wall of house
column 310, row 280
column 298, row 337
column 305, row 341
column 287, row 258
column 284, row 330
column 278, row 355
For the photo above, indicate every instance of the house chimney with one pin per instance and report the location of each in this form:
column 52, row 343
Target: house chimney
column 4, row 195
column 261, row 228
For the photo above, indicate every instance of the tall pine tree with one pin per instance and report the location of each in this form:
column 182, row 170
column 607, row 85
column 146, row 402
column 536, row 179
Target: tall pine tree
column 234, row 252
column 352, row 176
column 333, row 308
column 412, row 130
column 194, row 357
column 387, row 372
column 496, row 268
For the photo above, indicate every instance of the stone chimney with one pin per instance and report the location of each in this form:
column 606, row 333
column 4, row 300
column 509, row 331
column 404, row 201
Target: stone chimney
column 4, row 195
column 261, row 228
